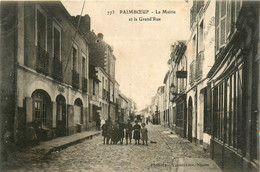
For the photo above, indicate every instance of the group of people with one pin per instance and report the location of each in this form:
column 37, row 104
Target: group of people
column 114, row 133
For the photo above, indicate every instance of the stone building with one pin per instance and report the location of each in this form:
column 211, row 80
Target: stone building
column 200, row 48
column 232, row 87
column 44, row 74
column 101, row 56
column 103, row 92
column 166, row 116
column 177, row 86
column 94, row 95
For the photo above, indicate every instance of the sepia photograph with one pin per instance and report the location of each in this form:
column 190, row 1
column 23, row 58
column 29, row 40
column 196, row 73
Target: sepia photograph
column 129, row 85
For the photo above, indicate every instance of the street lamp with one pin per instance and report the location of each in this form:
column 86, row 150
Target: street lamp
column 172, row 90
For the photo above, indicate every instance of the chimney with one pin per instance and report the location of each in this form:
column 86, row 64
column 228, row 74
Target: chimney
column 84, row 23
column 100, row 36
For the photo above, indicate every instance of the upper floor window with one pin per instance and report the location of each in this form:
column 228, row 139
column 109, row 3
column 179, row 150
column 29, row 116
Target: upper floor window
column 103, row 83
column 56, row 41
column 83, row 66
column 74, row 58
column 226, row 15
column 41, row 28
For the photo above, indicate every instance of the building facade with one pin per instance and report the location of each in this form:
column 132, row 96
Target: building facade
column 200, row 48
column 103, row 93
column 178, row 62
column 45, row 72
column 233, row 82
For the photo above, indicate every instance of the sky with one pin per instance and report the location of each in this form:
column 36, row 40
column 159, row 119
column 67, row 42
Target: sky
column 141, row 48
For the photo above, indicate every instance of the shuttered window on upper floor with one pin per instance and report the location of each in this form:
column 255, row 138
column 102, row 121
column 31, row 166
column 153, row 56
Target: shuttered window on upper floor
column 225, row 16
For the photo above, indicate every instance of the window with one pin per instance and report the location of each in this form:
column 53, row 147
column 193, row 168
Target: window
column 41, row 28
column 103, row 83
column 74, row 56
column 40, row 103
column 194, row 47
column 83, row 66
column 229, row 122
column 226, row 16
column 56, row 43
column 94, row 88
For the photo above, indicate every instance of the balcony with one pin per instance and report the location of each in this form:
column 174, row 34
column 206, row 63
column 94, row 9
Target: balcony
column 192, row 73
column 84, row 84
column 75, row 79
column 57, row 69
column 42, row 61
column 199, row 65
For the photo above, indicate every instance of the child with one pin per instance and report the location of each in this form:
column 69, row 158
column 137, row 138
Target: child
column 144, row 132
column 136, row 129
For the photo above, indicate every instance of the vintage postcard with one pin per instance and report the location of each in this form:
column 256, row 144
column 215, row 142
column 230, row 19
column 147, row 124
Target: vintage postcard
column 120, row 85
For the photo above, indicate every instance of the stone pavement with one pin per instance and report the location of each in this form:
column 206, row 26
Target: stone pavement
column 39, row 152
column 169, row 153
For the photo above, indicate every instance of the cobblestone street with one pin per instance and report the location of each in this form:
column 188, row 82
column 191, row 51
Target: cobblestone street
column 169, row 153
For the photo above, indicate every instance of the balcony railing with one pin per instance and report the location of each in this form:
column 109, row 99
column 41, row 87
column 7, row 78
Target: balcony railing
column 57, row 69
column 192, row 73
column 75, row 79
column 84, row 84
column 199, row 65
column 42, row 60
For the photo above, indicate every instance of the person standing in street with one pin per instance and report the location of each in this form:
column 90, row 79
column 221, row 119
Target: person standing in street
column 128, row 132
column 98, row 122
column 144, row 133
column 121, row 131
column 137, row 129
column 105, row 132
column 110, row 129
column 115, row 133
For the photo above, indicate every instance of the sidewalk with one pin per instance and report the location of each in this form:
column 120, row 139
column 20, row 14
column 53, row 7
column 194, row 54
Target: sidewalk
column 187, row 156
column 44, row 148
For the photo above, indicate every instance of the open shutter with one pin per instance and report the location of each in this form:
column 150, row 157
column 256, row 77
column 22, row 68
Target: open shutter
column 223, row 22
column 217, row 24
column 228, row 28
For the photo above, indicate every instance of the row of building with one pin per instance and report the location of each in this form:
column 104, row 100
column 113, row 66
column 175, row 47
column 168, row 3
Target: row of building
column 55, row 72
column 210, row 94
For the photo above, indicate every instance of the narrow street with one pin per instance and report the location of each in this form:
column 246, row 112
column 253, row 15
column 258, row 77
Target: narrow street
column 169, row 153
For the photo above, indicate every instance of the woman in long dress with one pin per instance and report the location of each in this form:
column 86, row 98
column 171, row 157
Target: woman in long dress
column 144, row 133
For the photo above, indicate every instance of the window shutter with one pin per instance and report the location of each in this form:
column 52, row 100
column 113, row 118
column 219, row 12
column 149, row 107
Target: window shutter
column 217, row 13
column 233, row 15
column 223, row 23
column 217, row 25
column 228, row 16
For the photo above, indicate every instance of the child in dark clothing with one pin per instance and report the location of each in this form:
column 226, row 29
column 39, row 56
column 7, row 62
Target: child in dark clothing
column 137, row 129
column 104, row 131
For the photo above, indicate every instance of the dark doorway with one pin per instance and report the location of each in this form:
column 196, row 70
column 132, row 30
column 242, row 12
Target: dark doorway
column 190, row 120
column 61, row 115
